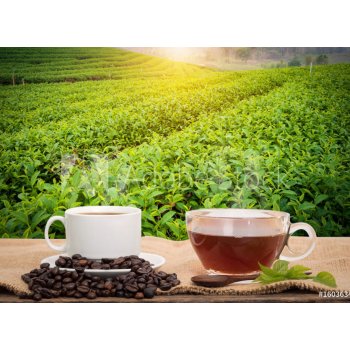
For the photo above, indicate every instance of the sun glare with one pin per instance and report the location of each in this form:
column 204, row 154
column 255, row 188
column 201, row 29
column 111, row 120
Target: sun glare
column 178, row 53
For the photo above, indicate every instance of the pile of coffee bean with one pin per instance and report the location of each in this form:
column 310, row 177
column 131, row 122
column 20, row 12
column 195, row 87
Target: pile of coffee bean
column 141, row 282
column 124, row 262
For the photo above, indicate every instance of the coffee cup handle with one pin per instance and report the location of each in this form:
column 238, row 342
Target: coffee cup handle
column 311, row 233
column 61, row 248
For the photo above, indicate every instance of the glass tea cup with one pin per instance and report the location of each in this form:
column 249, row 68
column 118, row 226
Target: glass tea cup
column 235, row 241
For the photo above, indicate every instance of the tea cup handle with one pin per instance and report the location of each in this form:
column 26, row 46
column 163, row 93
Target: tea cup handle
column 61, row 248
column 311, row 233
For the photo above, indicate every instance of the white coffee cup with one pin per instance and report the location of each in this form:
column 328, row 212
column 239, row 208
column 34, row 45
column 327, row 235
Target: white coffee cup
column 99, row 231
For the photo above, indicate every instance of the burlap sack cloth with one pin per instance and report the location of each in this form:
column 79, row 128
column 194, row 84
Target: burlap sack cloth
column 18, row 256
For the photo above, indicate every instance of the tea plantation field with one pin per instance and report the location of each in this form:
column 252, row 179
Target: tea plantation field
column 111, row 127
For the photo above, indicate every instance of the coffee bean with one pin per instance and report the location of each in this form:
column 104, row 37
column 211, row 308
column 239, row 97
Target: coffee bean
column 130, row 288
column 118, row 261
column 108, row 285
column 50, row 283
column 141, row 282
column 70, row 293
column 44, row 265
column 60, row 262
column 141, row 271
column 130, row 280
column 67, row 280
column 79, row 269
column 105, row 293
column 100, row 285
column 125, row 264
column 74, row 275
column 45, row 293
column 122, row 278
column 128, row 294
column 149, row 292
column 91, row 295
column 162, row 274
column 70, row 286
column 119, row 286
column 26, row 278
column 67, row 274
column 135, row 268
column 37, row 297
column 55, row 270
column 57, row 286
column 135, row 262
column 119, row 293
column 83, row 262
column 96, row 265
column 83, row 289
column 55, row 293
column 165, row 286
column 85, row 283
column 80, row 278
column 40, row 282
column 141, row 286
column 139, row 295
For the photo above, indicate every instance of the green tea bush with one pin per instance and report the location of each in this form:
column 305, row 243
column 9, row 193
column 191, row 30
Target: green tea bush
column 275, row 139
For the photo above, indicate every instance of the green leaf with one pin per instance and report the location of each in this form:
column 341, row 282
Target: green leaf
column 34, row 177
column 297, row 272
column 325, row 278
column 307, row 206
column 154, row 194
column 265, row 279
column 289, row 193
column 225, row 185
column 280, row 272
column 280, row 266
column 267, row 271
column 165, row 218
column 38, row 218
column 320, row 198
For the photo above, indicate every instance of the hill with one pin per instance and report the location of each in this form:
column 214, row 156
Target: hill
column 42, row 65
column 169, row 139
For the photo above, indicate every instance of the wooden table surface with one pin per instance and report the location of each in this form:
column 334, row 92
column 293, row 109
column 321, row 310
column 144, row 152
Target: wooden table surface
column 292, row 296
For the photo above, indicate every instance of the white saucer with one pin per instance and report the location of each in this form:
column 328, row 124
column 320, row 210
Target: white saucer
column 155, row 260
